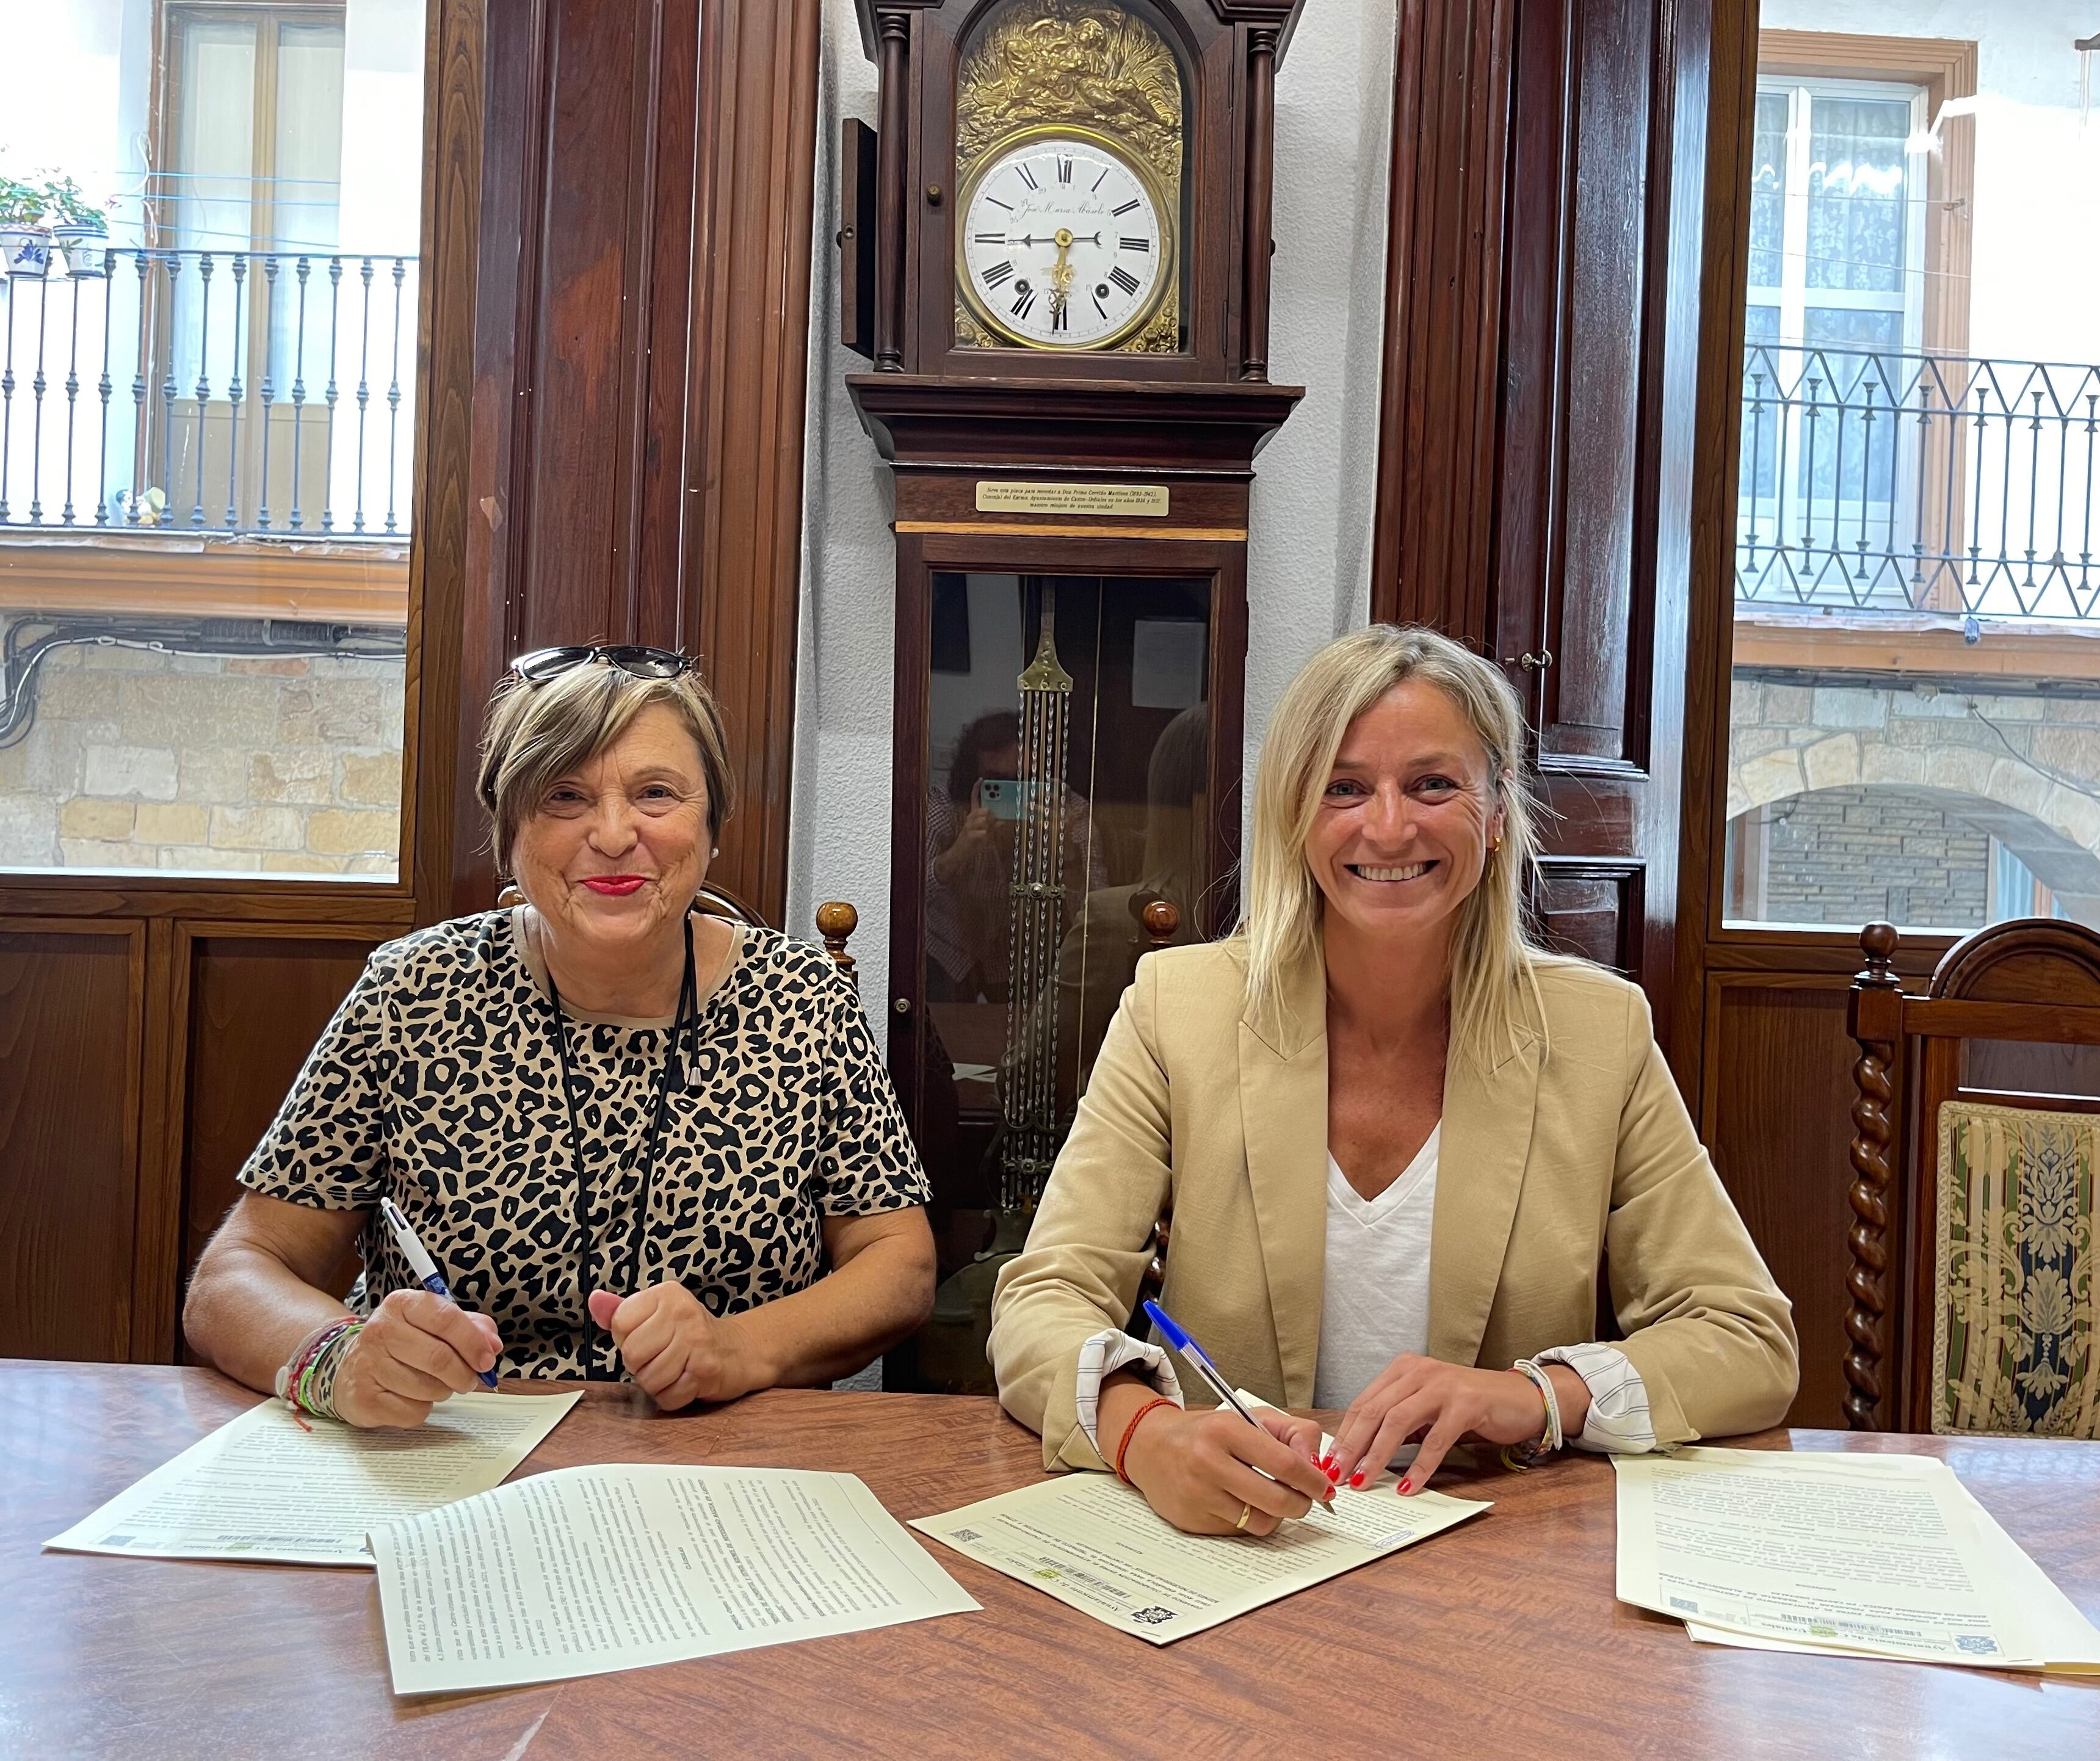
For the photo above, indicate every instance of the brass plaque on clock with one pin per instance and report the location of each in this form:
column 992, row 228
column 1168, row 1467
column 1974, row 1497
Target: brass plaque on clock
column 1141, row 501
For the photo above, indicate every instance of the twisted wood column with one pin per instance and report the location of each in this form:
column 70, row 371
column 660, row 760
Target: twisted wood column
column 1876, row 1012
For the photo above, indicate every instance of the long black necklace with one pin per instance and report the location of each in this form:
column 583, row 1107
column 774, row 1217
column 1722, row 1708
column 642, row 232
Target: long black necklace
column 669, row 1077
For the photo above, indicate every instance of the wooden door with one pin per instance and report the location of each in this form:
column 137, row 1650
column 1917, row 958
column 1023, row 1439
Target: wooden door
column 1542, row 318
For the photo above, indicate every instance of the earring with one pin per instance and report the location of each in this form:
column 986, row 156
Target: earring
column 714, row 853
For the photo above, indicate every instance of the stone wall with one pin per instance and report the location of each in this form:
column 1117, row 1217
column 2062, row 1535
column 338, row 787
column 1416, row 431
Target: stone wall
column 1853, row 855
column 2023, row 767
column 141, row 760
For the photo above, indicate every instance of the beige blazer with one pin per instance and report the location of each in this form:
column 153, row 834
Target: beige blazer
column 1575, row 1149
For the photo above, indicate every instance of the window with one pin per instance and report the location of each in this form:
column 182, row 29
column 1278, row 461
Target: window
column 203, row 541
column 1915, row 722
column 248, row 201
column 1833, row 329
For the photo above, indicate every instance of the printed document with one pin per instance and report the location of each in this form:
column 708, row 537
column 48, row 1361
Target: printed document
column 1097, row 1546
column 261, row 1487
column 1865, row 1555
column 585, row 1570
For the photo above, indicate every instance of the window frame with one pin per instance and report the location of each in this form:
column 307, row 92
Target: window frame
column 1945, row 68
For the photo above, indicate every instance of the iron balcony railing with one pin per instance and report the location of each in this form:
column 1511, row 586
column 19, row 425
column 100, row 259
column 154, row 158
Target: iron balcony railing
column 1886, row 481
column 200, row 391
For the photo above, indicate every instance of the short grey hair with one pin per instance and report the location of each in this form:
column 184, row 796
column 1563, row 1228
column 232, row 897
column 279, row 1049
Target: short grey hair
column 533, row 735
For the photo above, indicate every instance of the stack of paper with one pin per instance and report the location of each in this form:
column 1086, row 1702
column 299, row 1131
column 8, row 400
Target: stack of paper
column 1845, row 1554
column 265, row 1486
column 588, row 1569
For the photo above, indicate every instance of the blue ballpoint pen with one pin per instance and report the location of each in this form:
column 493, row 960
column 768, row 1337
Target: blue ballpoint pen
column 1176, row 1336
column 420, row 1263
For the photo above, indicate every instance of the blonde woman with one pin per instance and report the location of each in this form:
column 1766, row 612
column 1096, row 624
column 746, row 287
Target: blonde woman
column 1400, row 1143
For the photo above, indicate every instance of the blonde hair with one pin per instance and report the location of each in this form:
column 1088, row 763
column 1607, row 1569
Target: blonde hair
column 533, row 735
column 1494, row 960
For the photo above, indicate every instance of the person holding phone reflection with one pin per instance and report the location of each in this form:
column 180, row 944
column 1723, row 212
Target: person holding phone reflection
column 970, row 834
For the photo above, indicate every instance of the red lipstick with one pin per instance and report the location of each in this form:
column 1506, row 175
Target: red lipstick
column 617, row 886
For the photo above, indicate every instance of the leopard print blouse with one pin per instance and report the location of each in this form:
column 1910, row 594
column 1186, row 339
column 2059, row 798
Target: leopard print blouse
column 439, row 1082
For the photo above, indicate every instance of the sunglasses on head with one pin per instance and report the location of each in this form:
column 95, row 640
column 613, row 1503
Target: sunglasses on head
column 544, row 664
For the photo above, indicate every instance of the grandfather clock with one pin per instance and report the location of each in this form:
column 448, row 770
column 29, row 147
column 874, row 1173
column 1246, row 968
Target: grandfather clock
column 1069, row 344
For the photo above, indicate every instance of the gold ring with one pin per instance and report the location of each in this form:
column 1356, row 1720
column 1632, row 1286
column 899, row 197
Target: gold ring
column 1246, row 1511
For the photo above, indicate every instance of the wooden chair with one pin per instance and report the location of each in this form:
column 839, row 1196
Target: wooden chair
column 1975, row 1226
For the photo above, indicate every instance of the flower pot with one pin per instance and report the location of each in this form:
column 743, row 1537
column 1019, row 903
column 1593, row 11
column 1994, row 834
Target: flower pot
column 86, row 245
column 25, row 250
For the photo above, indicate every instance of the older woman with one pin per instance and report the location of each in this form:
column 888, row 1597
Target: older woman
column 644, row 1142
column 1401, row 1146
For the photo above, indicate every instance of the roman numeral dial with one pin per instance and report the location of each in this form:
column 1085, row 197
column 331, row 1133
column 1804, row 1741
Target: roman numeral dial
column 1063, row 242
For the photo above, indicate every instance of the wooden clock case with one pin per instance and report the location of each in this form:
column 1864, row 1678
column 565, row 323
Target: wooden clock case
column 948, row 418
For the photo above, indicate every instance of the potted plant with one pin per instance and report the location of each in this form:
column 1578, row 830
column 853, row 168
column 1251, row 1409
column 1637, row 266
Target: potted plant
column 25, row 242
column 82, row 233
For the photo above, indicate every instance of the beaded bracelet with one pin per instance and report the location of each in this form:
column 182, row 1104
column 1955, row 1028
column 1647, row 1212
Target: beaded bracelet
column 1130, row 1431
column 320, row 1393
column 306, row 1382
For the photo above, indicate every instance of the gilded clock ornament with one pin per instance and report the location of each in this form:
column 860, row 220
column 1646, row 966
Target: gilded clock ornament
column 1061, row 103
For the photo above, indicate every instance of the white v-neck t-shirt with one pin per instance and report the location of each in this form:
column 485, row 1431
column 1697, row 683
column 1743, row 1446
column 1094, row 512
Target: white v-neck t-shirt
column 1375, row 1304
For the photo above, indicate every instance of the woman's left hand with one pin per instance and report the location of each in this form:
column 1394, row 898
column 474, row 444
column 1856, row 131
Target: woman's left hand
column 675, row 1351
column 1413, row 1396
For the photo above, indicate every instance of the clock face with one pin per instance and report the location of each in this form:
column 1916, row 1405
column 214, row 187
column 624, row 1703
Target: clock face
column 1063, row 244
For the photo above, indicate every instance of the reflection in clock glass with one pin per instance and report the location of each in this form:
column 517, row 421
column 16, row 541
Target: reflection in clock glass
column 1062, row 244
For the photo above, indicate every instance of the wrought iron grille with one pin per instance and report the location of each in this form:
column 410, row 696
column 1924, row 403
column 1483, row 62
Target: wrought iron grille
column 1884, row 481
column 188, row 391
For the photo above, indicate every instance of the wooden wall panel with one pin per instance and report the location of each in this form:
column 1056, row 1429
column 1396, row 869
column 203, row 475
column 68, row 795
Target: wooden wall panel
column 640, row 358
column 1592, row 365
column 1778, row 1122
column 72, row 1011
column 242, row 1058
column 744, row 397
column 1433, row 545
column 1592, row 909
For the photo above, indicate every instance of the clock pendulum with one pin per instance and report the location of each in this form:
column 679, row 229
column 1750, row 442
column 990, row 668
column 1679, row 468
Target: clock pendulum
column 1031, row 1128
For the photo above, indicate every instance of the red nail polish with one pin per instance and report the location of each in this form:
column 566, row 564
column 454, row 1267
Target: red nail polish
column 1405, row 1487
column 1333, row 1471
column 1356, row 1479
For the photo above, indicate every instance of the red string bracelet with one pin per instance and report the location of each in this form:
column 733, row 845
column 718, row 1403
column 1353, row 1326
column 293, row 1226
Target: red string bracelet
column 1130, row 1431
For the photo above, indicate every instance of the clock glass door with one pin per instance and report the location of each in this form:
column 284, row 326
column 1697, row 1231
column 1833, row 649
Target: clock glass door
column 1067, row 831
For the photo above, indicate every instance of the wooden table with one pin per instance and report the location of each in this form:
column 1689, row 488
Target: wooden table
column 1499, row 1637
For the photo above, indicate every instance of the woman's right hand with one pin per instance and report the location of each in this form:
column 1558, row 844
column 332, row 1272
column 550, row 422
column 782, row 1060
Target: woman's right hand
column 415, row 1350
column 1198, row 1469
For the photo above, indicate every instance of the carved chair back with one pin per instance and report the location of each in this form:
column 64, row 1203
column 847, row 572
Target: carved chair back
column 1976, row 1140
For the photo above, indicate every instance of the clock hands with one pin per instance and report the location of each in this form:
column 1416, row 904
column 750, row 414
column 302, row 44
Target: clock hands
column 1061, row 271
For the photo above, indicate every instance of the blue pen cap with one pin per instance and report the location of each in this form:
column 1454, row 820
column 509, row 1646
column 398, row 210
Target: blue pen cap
column 1170, row 1329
